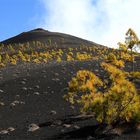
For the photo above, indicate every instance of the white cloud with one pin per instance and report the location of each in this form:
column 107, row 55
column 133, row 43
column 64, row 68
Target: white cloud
column 102, row 21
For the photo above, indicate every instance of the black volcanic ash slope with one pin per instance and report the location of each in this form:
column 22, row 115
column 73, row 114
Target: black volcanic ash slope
column 33, row 93
column 62, row 40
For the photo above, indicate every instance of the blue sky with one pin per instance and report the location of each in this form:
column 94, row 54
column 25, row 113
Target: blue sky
column 101, row 21
column 18, row 16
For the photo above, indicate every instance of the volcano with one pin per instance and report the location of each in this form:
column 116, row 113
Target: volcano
column 34, row 78
column 43, row 35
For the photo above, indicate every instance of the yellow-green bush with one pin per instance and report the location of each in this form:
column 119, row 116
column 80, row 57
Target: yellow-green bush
column 13, row 61
column 111, row 57
column 135, row 74
column 83, row 56
column 84, row 82
column 119, row 103
column 69, row 57
column 118, row 63
column 122, row 103
column 36, row 61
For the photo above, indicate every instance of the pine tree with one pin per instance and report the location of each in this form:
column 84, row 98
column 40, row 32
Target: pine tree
column 132, row 43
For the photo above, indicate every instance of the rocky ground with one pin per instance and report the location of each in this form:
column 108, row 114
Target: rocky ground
column 32, row 105
column 31, row 96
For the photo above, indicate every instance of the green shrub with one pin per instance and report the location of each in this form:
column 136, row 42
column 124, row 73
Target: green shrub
column 120, row 103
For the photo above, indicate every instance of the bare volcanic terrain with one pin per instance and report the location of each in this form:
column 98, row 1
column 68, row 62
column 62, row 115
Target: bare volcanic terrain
column 62, row 40
column 32, row 106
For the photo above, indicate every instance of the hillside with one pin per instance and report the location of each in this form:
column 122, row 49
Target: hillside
column 36, row 67
column 39, row 34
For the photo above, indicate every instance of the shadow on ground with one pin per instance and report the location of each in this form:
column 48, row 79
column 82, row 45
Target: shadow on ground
column 87, row 132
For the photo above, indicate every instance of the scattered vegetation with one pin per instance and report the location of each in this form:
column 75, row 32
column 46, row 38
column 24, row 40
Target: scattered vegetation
column 114, row 100
column 135, row 75
column 116, row 104
column 132, row 43
column 37, row 52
